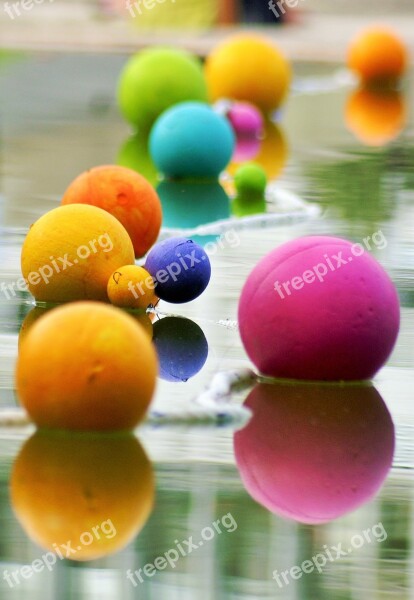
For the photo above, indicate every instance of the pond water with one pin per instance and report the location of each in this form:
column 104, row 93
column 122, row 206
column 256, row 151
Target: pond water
column 231, row 514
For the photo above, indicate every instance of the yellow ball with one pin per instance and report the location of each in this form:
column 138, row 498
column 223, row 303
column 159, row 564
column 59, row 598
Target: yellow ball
column 71, row 251
column 249, row 68
column 131, row 287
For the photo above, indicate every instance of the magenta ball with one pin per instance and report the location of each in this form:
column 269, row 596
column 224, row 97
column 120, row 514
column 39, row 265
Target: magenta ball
column 314, row 452
column 319, row 308
column 245, row 119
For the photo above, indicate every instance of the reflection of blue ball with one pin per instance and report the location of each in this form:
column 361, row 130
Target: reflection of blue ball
column 180, row 268
column 181, row 347
column 191, row 140
column 188, row 204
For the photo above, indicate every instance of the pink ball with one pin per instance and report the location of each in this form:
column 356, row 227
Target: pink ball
column 245, row 119
column 319, row 308
column 313, row 452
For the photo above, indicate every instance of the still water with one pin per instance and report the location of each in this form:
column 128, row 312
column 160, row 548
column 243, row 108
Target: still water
column 313, row 499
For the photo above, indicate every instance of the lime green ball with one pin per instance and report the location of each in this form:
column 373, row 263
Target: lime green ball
column 155, row 79
column 250, row 180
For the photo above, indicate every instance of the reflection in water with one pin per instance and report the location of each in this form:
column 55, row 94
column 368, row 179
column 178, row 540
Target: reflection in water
column 134, row 154
column 186, row 205
column 272, row 153
column 95, row 490
column 376, row 117
column 38, row 311
column 244, row 207
column 181, row 346
column 314, row 452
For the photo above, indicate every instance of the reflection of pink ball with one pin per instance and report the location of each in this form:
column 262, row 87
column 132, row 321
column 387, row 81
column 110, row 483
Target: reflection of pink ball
column 319, row 308
column 314, row 452
column 246, row 149
column 246, row 119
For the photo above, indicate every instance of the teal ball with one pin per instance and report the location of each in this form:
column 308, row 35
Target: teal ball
column 191, row 140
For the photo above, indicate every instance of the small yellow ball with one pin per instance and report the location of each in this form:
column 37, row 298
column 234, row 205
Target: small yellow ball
column 131, row 287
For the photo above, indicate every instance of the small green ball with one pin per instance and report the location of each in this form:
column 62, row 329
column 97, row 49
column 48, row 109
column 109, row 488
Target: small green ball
column 250, row 181
column 155, row 79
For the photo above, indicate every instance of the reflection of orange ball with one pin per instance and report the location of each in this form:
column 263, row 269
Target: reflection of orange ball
column 86, row 366
column 249, row 68
column 95, row 492
column 29, row 320
column 375, row 117
column 377, row 55
column 126, row 195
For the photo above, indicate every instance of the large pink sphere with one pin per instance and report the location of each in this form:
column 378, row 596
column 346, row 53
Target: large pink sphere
column 319, row 308
column 314, row 452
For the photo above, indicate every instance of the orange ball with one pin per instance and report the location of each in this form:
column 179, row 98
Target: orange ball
column 375, row 117
column 125, row 194
column 86, row 366
column 249, row 68
column 377, row 56
column 131, row 287
column 94, row 491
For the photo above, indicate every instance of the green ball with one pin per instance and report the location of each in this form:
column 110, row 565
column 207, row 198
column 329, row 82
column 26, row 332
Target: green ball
column 250, row 181
column 155, row 79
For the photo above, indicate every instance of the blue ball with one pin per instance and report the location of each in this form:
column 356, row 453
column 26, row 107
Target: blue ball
column 180, row 268
column 181, row 346
column 191, row 140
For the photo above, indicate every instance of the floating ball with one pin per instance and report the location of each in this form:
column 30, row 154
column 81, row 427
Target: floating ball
column 313, row 452
column 319, row 308
column 86, row 366
column 250, row 181
column 155, row 79
column 126, row 195
column 180, row 268
column 71, row 251
column 131, row 287
column 246, row 120
column 248, row 68
column 377, row 56
column 191, row 140
column 181, row 346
